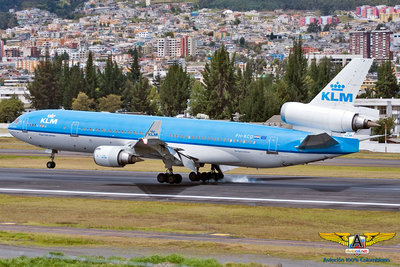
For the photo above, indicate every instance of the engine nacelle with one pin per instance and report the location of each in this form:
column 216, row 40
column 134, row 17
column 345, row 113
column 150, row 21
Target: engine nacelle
column 113, row 156
column 329, row 119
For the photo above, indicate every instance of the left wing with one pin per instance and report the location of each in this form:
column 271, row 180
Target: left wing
column 152, row 142
column 372, row 238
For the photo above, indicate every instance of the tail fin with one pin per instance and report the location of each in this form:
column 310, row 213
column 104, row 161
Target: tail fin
column 343, row 89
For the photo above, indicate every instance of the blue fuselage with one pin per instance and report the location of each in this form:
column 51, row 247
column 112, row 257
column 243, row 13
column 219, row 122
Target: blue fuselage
column 84, row 131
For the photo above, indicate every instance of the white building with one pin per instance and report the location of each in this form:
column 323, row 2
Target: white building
column 16, row 86
column 176, row 47
column 336, row 58
column 388, row 107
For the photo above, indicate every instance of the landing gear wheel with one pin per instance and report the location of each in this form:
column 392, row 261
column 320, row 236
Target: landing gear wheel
column 161, row 178
column 178, row 178
column 171, row 179
column 51, row 164
column 204, row 176
column 214, row 176
column 194, row 177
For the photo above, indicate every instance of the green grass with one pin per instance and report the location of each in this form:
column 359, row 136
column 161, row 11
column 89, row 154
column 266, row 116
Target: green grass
column 200, row 218
column 234, row 220
column 58, row 259
column 45, row 240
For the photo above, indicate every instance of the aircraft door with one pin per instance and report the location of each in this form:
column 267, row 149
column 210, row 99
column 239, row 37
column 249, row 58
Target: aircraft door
column 74, row 128
column 25, row 125
column 272, row 145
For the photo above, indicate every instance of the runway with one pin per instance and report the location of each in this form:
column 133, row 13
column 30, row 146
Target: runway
column 287, row 191
column 359, row 162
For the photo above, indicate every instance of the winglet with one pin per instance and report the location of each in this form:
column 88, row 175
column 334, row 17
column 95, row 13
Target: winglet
column 154, row 131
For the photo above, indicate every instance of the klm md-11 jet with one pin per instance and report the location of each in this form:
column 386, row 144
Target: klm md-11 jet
column 115, row 140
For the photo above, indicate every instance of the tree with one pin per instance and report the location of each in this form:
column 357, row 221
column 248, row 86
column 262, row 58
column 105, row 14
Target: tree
column 220, row 84
column 260, row 103
column 198, row 102
column 139, row 96
column 386, row 86
column 44, row 90
column 82, row 102
column 293, row 87
column 169, row 34
column 242, row 41
column 110, row 103
column 154, row 99
column 73, row 81
column 389, row 123
column 174, row 91
column 90, row 77
column 313, row 28
column 112, row 79
column 134, row 70
column 10, row 109
column 320, row 75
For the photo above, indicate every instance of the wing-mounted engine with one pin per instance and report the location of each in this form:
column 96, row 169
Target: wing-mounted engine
column 114, row 156
column 324, row 118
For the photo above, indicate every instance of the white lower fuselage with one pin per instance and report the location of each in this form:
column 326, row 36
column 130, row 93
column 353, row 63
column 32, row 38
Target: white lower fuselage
column 204, row 154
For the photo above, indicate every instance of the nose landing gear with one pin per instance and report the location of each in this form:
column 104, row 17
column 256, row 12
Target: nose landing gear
column 51, row 164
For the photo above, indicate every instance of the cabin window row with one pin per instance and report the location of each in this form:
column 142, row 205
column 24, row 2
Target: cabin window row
column 38, row 125
column 110, row 131
column 216, row 139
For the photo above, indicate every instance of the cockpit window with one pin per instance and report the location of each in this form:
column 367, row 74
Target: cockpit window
column 16, row 120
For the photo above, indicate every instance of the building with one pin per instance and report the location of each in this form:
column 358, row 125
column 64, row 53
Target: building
column 1, row 49
column 339, row 59
column 29, row 65
column 16, row 86
column 388, row 107
column 375, row 44
column 360, row 43
column 176, row 47
column 187, row 46
column 380, row 45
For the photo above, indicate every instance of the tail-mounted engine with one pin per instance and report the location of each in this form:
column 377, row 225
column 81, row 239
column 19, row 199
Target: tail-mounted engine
column 114, row 156
column 323, row 118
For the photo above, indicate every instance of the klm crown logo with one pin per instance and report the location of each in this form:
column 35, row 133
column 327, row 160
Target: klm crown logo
column 337, row 94
column 337, row 87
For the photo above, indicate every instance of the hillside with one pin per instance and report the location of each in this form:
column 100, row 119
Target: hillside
column 326, row 6
column 63, row 8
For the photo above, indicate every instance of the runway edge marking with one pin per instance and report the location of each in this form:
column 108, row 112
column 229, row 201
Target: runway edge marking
column 116, row 194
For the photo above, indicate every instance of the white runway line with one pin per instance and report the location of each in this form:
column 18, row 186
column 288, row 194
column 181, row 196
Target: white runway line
column 116, row 194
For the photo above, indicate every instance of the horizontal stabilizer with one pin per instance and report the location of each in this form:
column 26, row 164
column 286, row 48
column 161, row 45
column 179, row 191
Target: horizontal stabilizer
column 316, row 141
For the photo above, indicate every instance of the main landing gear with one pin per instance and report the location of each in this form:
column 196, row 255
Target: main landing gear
column 215, row 174
column 51, row 164
column 171, row 178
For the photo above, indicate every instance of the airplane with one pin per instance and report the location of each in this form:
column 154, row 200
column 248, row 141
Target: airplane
column 320, row 131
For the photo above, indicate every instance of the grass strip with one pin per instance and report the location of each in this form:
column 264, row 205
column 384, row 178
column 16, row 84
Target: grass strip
column 58, row 259
column 236, row 220
column 185, row 247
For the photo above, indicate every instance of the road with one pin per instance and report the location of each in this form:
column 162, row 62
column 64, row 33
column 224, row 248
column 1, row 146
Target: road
column 287, row 191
